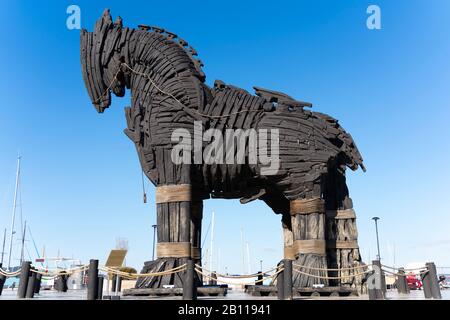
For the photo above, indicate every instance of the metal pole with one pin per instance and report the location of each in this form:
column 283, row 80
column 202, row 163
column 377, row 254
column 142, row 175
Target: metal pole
column 23, row 282
column 93, row 280
column 287, row 279
column 14, row 213
column 154, row 238
column 211, row 244
column 378, row 242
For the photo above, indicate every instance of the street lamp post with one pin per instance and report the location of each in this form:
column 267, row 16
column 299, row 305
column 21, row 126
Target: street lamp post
column 154, row 237
column 378, row 242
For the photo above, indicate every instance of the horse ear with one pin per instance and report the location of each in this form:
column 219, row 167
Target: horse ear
column 106, row 16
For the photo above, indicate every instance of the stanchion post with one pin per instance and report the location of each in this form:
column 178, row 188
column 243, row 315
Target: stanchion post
column 23, row 281
column 280, row 282
column 113, row 283
column 2, row 280
column 259, row 282
column 189, row 288
column 37, row 287
column 100, row 288
column 375, row 283
column 30, row 285
column 93, row 280
column 119, row 283
column 287, row 279
column 430, row 282
column 402, row 284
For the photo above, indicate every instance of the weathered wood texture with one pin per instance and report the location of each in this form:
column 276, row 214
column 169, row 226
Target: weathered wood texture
column 168, row 92
column 341, row 229
column 309, row 225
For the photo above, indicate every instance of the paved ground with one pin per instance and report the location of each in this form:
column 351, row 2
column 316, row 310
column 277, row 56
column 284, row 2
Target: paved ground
column 8, row 294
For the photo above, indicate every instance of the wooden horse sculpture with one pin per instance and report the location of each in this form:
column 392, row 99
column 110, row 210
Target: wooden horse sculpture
column 168, row 92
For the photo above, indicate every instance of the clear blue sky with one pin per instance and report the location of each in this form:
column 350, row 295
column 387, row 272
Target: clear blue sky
column 389, row 88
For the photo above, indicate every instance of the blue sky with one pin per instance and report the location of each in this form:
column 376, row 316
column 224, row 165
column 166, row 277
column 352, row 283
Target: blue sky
column 81, row 183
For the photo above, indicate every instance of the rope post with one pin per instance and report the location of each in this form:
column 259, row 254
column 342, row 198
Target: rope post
column 37, row 287
column 2, row 280
column 375, row 282
column 2, row 283
column 23, row 282
column 430, row 282
column 287, row 279
column 259, row 282
column 93, row 280
column 280, row 282
column 113, row 283
column 100, row 288
column 31, row 285
column 213, row 280
column 402, row 284
column 119, row 284
column 189, row 288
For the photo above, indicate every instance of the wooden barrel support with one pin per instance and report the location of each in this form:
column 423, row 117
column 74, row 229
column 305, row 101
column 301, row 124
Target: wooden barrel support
column 288, row 237
column 341, row 230
column 173, row 215
column 308, row 227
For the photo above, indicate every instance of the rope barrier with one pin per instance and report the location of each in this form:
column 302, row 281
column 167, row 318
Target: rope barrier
column 138, row 275
column 239, row 276
column 423, row 271
column 238, row 283
column 331, row 269
column 332, row 278
column 55, row 273
column 410, row 269
column 9, row 274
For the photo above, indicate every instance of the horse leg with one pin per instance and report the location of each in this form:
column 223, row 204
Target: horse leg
column 173, row 210
column 342, row 235
column 308, row 227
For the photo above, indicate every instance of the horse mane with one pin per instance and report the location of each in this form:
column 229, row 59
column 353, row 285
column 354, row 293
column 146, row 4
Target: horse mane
column 190, row 51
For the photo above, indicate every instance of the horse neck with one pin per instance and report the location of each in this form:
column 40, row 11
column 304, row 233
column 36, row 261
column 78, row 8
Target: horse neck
column 168, row 66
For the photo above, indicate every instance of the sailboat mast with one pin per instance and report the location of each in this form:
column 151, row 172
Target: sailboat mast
column 3, row 247
column 23, row 242
column 14, row 212
column 212, row 241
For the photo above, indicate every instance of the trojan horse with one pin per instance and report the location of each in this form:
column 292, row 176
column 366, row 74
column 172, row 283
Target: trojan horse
column 168, row 92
